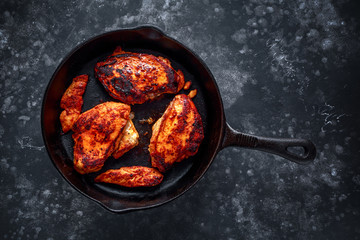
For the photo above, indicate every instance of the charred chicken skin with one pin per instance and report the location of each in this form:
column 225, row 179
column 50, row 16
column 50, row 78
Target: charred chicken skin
column 96, row 134
column 128, row 140
column 134, row 78
column 135, row 176
column 177, row 134
column 72, row 102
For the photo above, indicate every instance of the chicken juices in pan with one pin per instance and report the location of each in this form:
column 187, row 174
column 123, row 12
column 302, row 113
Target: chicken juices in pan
column 134, row 78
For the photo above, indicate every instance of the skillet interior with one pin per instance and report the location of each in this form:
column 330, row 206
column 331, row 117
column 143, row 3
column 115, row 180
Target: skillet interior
column 183, row 175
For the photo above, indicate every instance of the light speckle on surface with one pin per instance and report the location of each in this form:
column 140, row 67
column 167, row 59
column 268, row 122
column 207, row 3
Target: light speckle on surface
column 339, row 149
column 48, row 60
column 26, row 142
column 24, row 118
column 250, row 172
column 326, row 44
column 7, row 107
column 3, row 39
column 46, row 193
column 239, row 36
column 333, row 172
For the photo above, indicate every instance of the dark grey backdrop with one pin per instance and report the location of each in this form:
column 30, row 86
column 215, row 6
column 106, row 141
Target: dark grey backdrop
column 284, row 68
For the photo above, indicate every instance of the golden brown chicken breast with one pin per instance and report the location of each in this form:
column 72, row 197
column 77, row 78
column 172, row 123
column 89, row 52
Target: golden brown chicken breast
column 95, row 135
column 72, row 102
column 128, row 140
column 177, row 134
column 134, row 78
column 134, row 176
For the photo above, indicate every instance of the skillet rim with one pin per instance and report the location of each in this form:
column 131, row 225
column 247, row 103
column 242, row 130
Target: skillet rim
column 221, row 130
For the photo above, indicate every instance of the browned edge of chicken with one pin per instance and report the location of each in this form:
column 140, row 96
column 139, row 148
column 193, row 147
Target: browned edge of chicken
column 128, row 140
column 134, row 176
column 96, row 134
column 177, row 134
column 72, row 101
column 134, row 78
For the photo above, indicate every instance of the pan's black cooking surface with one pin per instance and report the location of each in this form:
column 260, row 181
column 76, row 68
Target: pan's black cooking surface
column 284, row 69
column 139, row 156
column 176, row 181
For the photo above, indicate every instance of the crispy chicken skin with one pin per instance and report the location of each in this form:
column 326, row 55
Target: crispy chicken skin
column 134, row 176
column 72, row 102
column 127, row 141
column 96, row 132
column 134, row 78
column 177, row 134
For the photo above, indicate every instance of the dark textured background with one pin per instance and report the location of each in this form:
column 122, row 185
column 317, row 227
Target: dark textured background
column 285, row 68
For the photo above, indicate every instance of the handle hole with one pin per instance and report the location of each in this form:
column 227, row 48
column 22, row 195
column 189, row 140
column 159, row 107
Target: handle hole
column 297, row 150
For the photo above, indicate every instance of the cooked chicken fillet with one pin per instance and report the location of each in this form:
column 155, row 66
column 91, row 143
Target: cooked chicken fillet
column 134, row 78
column 177, row 134
column 72, row 102
column 135, row 176
column 96, row 132
column 128, row 140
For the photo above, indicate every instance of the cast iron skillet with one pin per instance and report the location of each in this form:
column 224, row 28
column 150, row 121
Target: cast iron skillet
column 218, row 134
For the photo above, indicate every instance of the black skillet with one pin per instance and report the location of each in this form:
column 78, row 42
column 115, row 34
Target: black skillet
column 218, row 134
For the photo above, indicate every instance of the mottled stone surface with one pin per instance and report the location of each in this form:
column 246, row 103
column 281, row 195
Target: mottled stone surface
column 284, row 68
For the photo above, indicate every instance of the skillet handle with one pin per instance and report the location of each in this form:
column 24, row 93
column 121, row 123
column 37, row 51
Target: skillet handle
column 279, row 146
